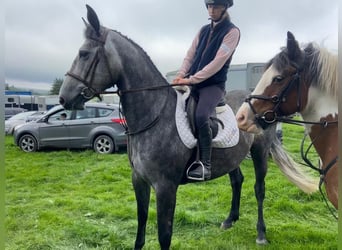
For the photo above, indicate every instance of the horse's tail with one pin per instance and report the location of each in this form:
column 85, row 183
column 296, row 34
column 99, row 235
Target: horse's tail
column 291, row 169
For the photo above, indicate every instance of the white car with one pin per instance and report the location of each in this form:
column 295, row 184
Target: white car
column 16, row 120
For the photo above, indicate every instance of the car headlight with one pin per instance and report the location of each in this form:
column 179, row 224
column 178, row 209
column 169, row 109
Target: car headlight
column 18, row 126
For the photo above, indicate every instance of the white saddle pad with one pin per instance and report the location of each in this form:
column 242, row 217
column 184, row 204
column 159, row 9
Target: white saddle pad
column 227, row 137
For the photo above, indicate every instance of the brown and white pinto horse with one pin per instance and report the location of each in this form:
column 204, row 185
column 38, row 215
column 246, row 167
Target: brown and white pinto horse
column 303, row 81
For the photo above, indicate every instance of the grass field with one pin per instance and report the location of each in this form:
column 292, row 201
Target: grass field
column 82, row 200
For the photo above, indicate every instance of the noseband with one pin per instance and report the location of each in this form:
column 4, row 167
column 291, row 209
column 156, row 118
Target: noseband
column 272, row 116
column 89, row 92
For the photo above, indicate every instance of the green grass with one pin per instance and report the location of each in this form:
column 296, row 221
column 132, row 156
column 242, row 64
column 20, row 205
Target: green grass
column 82, row 200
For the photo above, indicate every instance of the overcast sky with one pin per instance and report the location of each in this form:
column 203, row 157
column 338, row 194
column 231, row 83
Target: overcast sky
column 42, row 37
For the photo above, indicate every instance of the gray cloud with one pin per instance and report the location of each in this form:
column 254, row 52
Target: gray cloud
column 42, row 37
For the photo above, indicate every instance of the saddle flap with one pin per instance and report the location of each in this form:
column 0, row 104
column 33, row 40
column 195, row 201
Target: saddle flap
column 190, row 106
column 227, row 136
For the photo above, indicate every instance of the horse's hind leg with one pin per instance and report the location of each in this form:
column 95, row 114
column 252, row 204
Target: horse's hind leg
column 236, row 180
column 259, row 155
column 142, row 194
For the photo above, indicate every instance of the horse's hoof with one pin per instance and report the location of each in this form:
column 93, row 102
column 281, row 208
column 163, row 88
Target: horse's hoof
column 261, row 241
column 225, row 225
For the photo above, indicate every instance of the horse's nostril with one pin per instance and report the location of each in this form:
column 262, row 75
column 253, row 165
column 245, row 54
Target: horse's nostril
column 240, row 117
column 61, row 100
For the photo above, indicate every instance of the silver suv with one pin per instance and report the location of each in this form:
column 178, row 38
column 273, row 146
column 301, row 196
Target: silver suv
column 98, row 126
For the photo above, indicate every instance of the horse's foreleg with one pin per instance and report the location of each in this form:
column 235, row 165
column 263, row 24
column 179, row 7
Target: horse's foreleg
column 331, row 186
column 166, row 203
column 142, row 194
column 259, row 157
column 236, row 180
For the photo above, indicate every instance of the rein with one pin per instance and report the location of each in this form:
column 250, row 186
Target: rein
column 120, row 93
column 321, row 171
column 151, row 124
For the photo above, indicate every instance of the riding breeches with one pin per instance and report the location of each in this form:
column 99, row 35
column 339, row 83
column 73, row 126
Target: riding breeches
column 208, row 98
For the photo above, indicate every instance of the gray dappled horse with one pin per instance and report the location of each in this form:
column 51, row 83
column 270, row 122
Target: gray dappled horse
column 156, row 153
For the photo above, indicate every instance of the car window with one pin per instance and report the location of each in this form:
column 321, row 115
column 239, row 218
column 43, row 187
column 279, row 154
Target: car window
column 88, row 112
column 103, row 112
column 60, row 116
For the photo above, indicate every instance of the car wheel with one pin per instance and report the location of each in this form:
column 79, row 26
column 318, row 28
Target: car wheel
column 103, row 144
column 28, row 143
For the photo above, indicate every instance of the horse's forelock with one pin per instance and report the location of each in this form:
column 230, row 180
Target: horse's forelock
column 280, row 61
column 89, row 32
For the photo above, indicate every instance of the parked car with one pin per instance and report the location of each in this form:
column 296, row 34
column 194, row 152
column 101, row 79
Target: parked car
column 35, row 116
column 9, row 112
column 98, row 126
column 16, row 120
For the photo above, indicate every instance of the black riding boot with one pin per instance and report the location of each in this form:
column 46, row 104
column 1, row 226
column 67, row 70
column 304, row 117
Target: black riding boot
column 204, row 144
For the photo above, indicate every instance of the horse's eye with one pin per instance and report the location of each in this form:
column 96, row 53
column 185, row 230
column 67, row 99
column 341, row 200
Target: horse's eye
column 84, row 54
column 278, row 79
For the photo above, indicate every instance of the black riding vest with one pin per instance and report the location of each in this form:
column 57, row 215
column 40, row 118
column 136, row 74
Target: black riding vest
column 210, row 40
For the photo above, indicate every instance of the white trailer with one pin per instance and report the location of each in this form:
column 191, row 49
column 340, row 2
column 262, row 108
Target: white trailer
column 27, row 102
column 47, row 102
column 240, row 76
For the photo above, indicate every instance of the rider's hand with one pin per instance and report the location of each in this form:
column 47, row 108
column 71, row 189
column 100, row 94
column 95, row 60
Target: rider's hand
column 179, row 80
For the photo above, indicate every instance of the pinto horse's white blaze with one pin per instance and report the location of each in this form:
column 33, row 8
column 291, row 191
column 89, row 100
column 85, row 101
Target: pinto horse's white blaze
column 245, row 116
column 265, row 80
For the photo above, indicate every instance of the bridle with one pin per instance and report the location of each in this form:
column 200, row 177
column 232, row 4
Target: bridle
column 272, row 116
column 89, row 92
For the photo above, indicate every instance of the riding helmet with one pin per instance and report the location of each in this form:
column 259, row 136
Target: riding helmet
column 227, row 3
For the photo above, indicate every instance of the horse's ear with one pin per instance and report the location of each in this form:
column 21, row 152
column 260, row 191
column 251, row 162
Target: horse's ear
column 293, row 49
column 93, row 19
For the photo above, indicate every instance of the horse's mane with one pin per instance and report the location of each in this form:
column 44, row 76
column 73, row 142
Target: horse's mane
column 90, row 33
column 325, row 64
column 319, row 63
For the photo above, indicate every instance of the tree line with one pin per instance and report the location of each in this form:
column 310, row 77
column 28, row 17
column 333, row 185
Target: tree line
column 56, row 85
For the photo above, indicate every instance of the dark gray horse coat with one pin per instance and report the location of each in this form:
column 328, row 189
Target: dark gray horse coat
column 157, row 155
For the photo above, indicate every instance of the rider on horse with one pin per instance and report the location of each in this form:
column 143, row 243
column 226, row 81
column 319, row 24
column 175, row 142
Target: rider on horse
column 206, row 66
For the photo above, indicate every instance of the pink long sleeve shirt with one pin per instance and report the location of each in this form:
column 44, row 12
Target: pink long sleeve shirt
column 227, row 48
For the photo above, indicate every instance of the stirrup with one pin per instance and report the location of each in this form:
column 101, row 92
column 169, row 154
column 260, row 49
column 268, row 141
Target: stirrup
column 193, row 166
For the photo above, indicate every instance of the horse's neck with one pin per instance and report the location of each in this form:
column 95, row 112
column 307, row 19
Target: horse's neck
column 144, row 109
column 138, row 74
column 320, row 104
column 143, row 106
column 322, row 107
column 325, row 141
